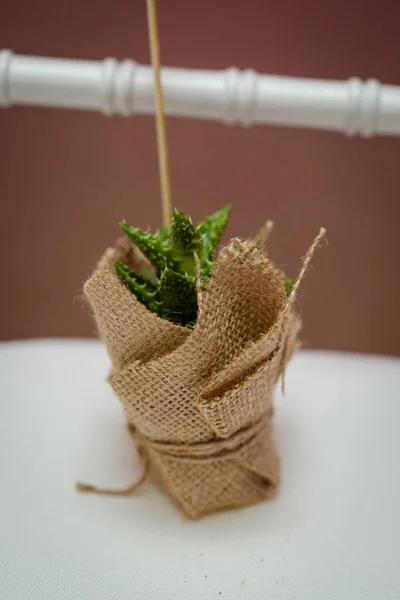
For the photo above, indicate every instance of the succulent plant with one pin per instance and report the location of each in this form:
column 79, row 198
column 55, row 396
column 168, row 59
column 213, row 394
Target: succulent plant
column 171, row 292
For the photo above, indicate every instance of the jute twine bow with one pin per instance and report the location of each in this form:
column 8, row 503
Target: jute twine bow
column 203, row 452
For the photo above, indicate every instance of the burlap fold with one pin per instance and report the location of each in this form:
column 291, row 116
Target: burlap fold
column 199, row 403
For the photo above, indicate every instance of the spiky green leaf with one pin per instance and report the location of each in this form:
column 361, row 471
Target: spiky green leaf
column 185, row 241
column 143, row 289
column 211, row 230
column 178, row 297
column 157, row 251
column 184, row 235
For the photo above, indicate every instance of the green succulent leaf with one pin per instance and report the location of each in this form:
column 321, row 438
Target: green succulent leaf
column 184, row 235
column 149, row 277
column 163, row 233
column 178, row 296
column 143, row 289
column 211, row 230
column 156, row 250
column 185, row 241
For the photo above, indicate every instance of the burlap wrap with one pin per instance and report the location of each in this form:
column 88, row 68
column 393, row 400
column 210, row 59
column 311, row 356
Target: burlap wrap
column 199, row 403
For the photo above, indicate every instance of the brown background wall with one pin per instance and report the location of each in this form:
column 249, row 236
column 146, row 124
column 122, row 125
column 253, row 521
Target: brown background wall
column 67, row 178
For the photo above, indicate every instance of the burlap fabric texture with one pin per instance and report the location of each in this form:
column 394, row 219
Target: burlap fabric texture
column 199, row 402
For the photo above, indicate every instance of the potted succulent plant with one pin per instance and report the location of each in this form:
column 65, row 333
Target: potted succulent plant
column 196, row 348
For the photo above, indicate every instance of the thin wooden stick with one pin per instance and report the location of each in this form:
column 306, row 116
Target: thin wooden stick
column 162, row 147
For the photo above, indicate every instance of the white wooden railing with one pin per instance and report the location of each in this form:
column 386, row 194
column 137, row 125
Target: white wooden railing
column 231, row 96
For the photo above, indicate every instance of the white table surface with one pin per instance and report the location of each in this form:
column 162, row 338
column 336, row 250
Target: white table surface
column 333, row 532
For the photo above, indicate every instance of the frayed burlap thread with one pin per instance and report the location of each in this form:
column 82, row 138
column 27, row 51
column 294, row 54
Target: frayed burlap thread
column 199, row 403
